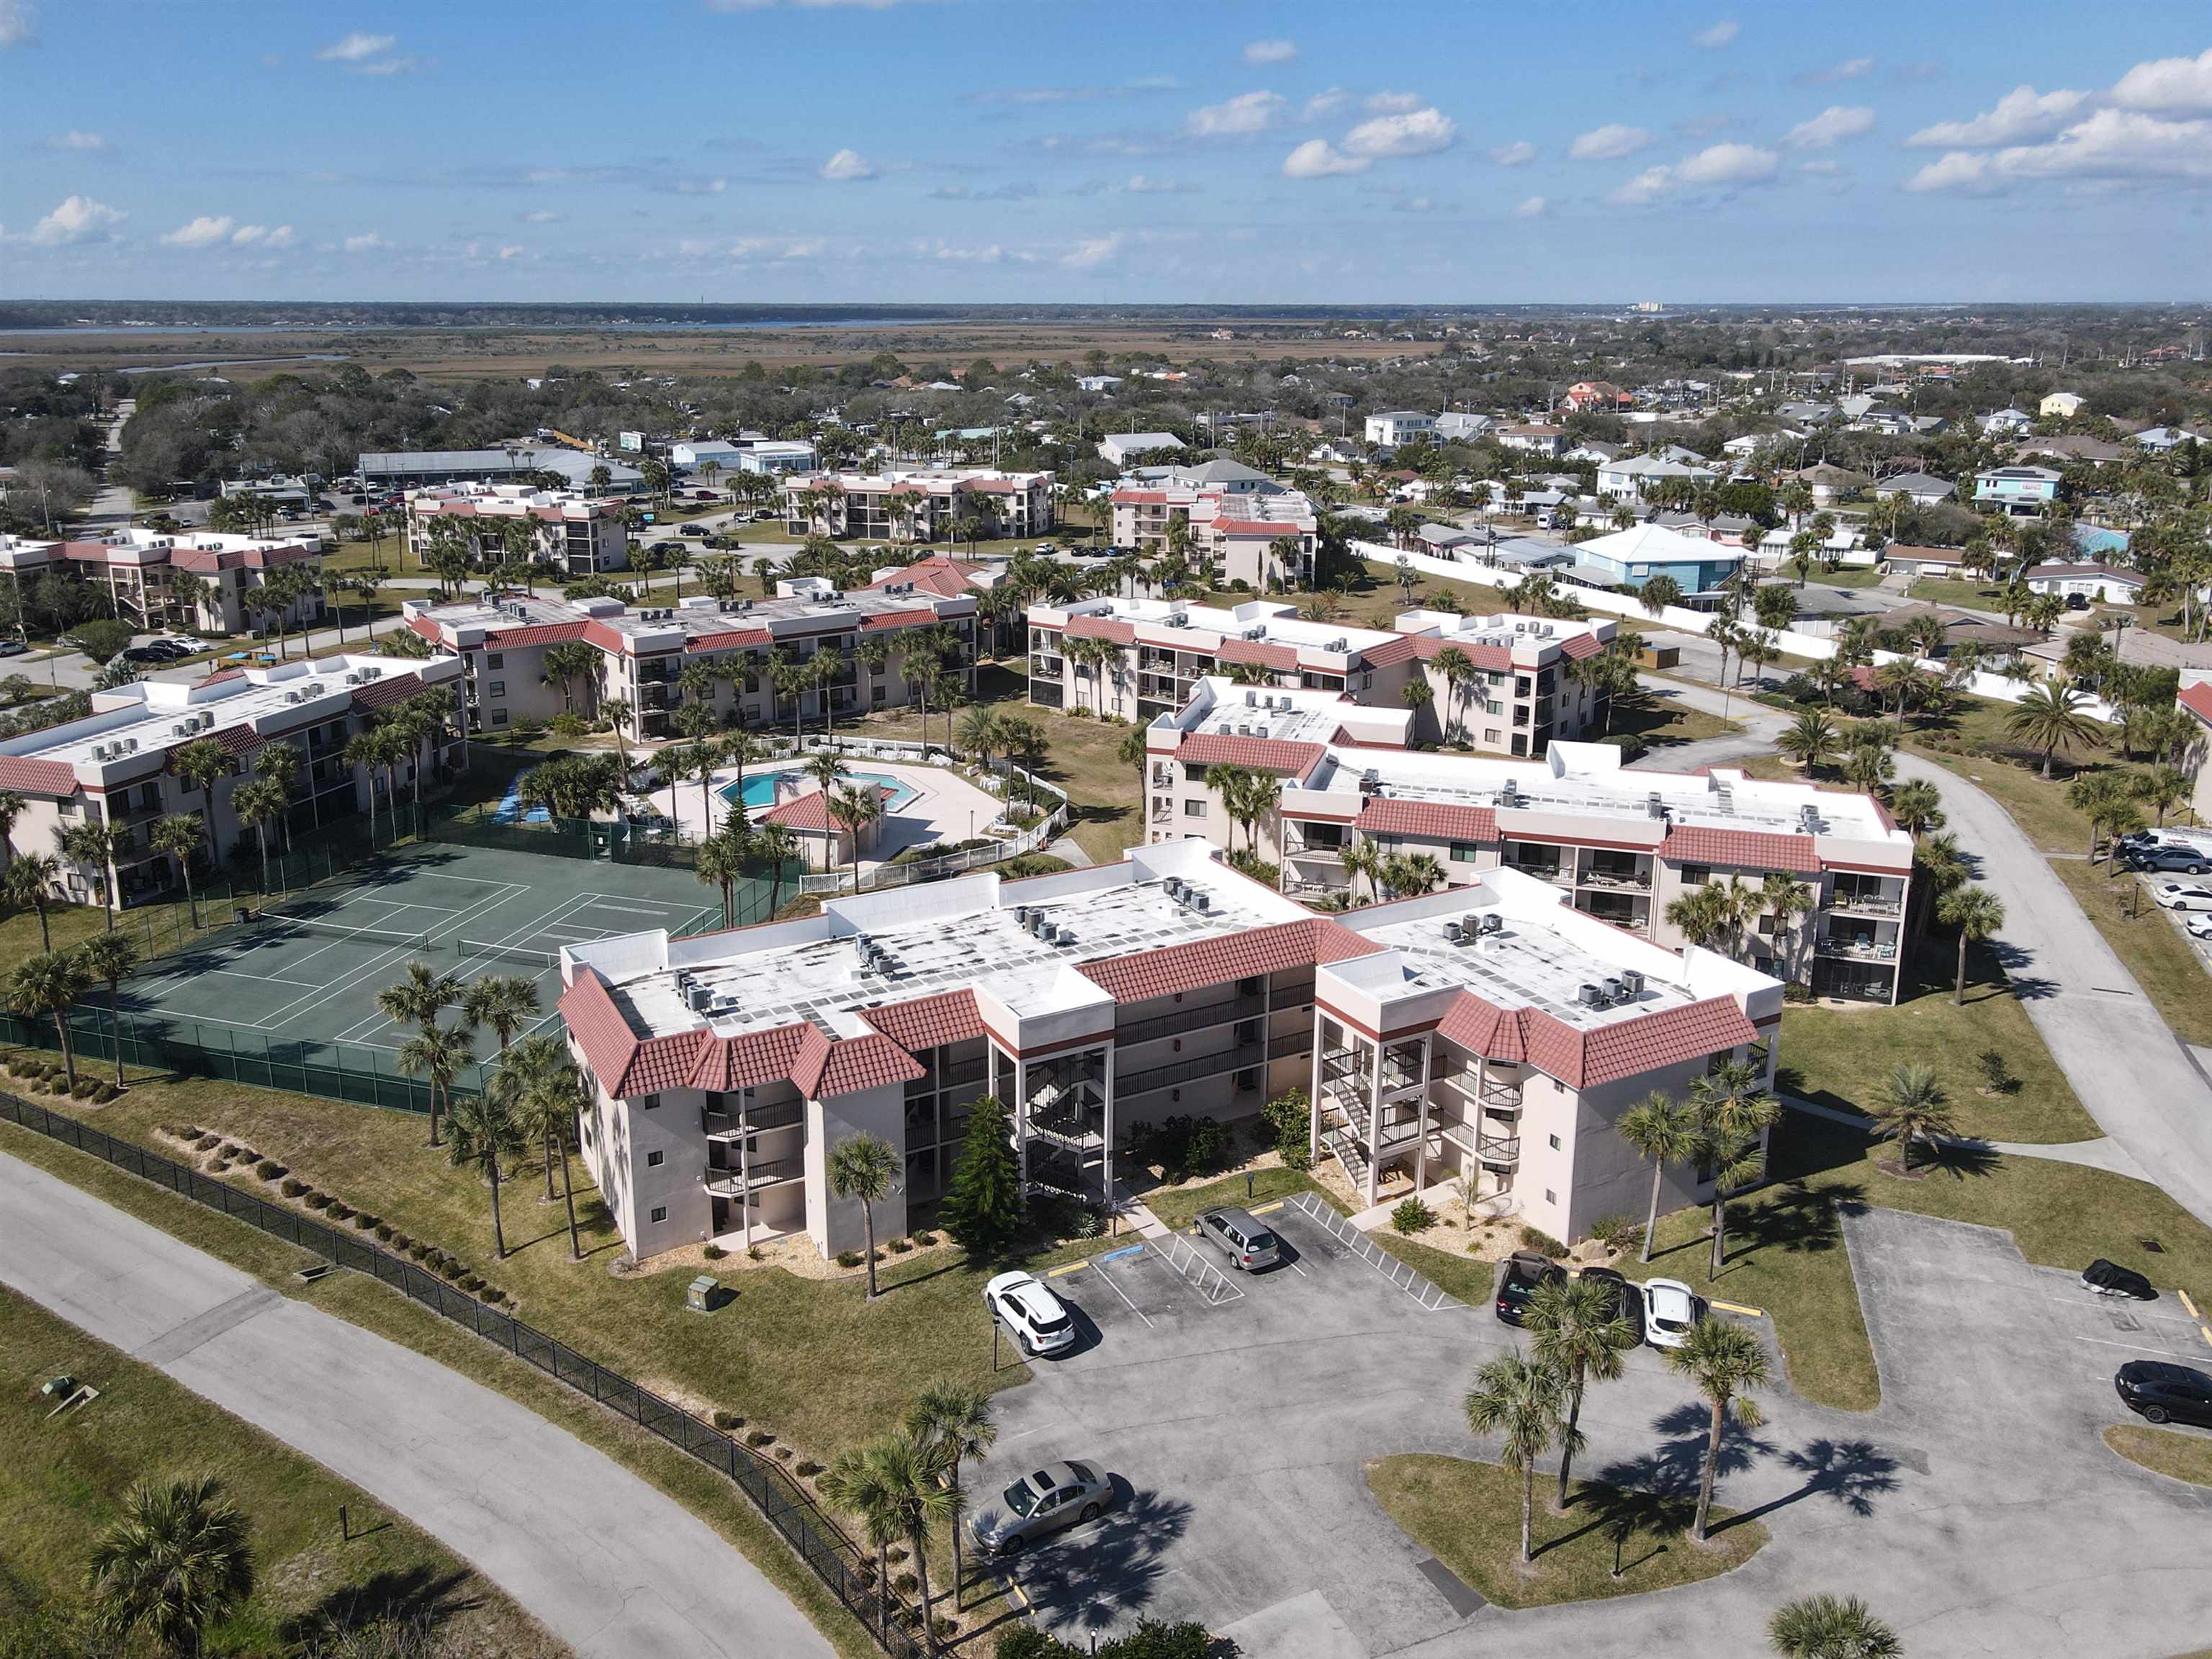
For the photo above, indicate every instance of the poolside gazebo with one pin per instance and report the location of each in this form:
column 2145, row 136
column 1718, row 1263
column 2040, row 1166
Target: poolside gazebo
column 823, row 843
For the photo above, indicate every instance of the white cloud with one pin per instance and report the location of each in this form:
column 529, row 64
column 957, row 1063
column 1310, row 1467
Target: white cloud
column 2114, row 146
column 1271, row 52
column 368, row 242
column 716, row 186
column 356, row 48
column 1518, row 153
column 1247, row 112
column 1417, row 132
column 1325, row 103
column 1830, row 127
column 1720, row 35
column 81, row 143
column 511, row 251
column 1394, row 103
column 1531, row 208
column 1851, row 68
column 1317, row 158
column 2021, row 115
column 1092, row 252
column 1413, row 204
column 78, row 219
column 1143, row 184
column 16, row 17
column 2168, row 85
column 544, row 216
column 203, row 232
column 1608, row 143
column 262, row 236
column 848, row 165
column 1823, row 169
column 1718, row 167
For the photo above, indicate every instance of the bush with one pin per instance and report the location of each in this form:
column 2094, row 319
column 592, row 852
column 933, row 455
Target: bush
column 1618, row 1232
column 384, row 1232
column 84, row 1088
column 900, row 1246
column 417, row 1248
column 726, row 1421
column 713, row 1253
column 449, row 1270
column 806, row 1466
column 1536, row 1239
column 758, row 1437
column 848, row 1258
column 472, row 1283
column 906, row 1584
column 269, row 1169
column 105, row 1093
column 207, row 1143
column 925, row 1239
column 342, row 1212
column 292, row 1187
column 235, row 1152
column 317, row 1200
column 1182, row 1146
column 363, row 1222
column 493, row 1294
column 1412, row 1216
column 1288, row 1119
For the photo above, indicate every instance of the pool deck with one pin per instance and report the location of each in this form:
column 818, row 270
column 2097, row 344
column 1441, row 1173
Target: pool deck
column 945, row 806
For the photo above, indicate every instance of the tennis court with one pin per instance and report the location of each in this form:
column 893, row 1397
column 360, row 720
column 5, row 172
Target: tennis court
column 307, row 969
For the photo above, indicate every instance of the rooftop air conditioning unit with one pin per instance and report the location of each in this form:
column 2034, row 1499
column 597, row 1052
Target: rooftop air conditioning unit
column 1454, row 934
column 1244, row 731
column 1251, row 697
column 131, row 745
column 1589, row 995
column 1494, row 923
column 1199, row 903
column 1655, row 804
column 1614, row 990
column 1632, row 983
column 1063, row 936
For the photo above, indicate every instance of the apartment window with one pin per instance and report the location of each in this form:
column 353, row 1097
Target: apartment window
column 495, row 660
column 1554, row 1139
column 1465, row 852
column 498, row 717
column 660, row 1210
column 646, row 1103
column 653, row 1160
column 1696, row 875
column 1550, row 1197
column 1194, row 809
column 1492, row 734
column 498, row 689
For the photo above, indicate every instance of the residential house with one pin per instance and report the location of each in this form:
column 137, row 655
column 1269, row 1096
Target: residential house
column 2020, row 492
column 2061, row 406
column 1920, row 489
column 1400, row 426
column 1119, row 448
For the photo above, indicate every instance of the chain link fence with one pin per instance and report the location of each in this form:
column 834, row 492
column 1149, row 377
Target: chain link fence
column 831, row 1556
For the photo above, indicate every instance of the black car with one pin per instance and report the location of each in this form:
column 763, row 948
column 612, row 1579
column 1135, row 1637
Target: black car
column 2162, row 1392
column 1524, row 1272
column 1626, row 1302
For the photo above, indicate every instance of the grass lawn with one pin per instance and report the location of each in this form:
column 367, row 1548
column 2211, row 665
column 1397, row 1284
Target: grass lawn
column 2170, row 1452
column 1840, row 577
column 63, row 1481
column 1835, row 1055
column 2154, row 951
column 1949, row 590
column 1663, row 723
column 1178, row 1207
column 1468, row 1515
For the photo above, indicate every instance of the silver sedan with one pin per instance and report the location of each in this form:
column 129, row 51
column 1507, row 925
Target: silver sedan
column 1039, row 1505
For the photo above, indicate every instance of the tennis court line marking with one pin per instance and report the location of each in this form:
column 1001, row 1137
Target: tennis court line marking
column 362, row 1031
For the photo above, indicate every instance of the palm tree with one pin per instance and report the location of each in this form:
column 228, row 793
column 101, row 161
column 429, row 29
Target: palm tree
column 437, row 1054
column 2049, row 718
column 1581, row 1335
column 280, row 763
column 957, row 1416
column 198, row 765
column 1664, row 1130
column 1658, row 593
column 1785, row 899
column 865, row 1167
column 506, row 1003
column 175, row 1563
column 912, row 1470
column 12, row 807
column 1734, row 1110
column 258, row 805
column 1825, row 1627
column 720, row 863
column 1811, row 740
column 542, row 1087
column 859, row 1482
column 417, row 1001
column 856, row 809
column 113, row 958
column 177, row 836
column 97, row 845
column 1727, row 1362
column 1525, row 1401
column 1910, row 1105
column 485, row 1132
column 1363, row 857
column 27, row 883
column 51, row 982
column 1976, row 913
column 980, row 733
column 1916, row 807
column 779, row 846
column 826, row 767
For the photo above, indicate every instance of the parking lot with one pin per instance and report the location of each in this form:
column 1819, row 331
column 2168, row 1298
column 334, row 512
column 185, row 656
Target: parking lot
column 1237, row 1428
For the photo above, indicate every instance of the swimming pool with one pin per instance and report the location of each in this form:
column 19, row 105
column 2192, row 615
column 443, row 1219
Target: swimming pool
column 759, row 788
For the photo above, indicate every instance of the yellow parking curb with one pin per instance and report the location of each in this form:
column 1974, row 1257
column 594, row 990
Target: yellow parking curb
column 2205, row 1331
column 1021, row 1595
column 2187, row 1304
column 1072, row 1268
column 1264, row 1208
column 1738, row 1308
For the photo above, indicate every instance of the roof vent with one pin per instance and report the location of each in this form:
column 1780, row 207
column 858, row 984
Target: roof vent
column 1655, row 805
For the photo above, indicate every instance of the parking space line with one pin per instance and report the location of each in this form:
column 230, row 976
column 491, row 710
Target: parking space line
column 2133, row 1347
column 2134, row 1310
column 1124, row 1294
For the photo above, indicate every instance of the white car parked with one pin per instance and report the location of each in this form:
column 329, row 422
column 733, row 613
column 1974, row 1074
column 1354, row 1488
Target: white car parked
column 1040, row 1320
column 2197, row 924
column 2183, row 895
column 1670, row 1310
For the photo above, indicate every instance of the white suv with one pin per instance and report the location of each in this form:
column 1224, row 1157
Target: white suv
column 1039, row 1319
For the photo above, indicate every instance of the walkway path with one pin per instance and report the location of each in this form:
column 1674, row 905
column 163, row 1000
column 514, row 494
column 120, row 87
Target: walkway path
column 607, row 1563
column 2102, row 1153
column 2142, row 1085
column 1761, row 726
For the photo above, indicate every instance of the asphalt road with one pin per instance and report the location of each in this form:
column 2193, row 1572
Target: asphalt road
column 609, row 1564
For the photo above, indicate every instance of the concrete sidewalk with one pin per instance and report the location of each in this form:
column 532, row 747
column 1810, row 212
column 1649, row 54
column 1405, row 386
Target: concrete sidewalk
column 2137, row 1080
column 607, row 1563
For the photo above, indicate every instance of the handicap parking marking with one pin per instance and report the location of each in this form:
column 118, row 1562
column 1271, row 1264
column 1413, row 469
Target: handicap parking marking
column 1115, row 1255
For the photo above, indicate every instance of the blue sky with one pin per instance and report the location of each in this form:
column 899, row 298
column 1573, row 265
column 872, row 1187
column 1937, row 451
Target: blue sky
column 1204, row 151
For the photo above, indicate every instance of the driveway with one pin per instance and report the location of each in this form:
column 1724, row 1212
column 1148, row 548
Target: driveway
column 2143, row 1086
column 1977, row 1508
column 607, row 1563
column 1761, row 726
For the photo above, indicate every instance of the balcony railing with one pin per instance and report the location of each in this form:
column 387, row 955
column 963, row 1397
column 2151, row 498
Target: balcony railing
column 721, row 1126
column 1502, row 1151
column 1635, row 881
column 1162, row 1077
column 1857, row 949
column 1557, row 874
column 764, row 1172
column 1869, row 903
column 1190, row 1019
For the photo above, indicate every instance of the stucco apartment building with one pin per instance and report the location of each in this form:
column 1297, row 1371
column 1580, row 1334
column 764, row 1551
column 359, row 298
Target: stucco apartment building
column 1490, row 1036
column 1621, row 846
column 642, row 651
column 2194, row 699
column 573, row 534
column 113, row 767
column 138, row 569
column 1240, row 524
column 1515, row 694
column 918, row 505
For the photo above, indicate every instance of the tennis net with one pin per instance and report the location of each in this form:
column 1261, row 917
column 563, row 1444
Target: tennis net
column 382, row 938
column 531, row 954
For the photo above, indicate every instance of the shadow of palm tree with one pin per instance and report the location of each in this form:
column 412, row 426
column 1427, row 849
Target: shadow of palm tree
column 1958, row 1159
column 1112, row 1572
column 1624, row 1513
column 1854, row 1472
column 415, row 1596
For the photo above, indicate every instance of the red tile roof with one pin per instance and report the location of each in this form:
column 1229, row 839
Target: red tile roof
column 1234, row 956
column 740, row 1062
column 2197, row 698
column 809, row 811
column 1586, row 1059
column 929, row 1022
column 384, row 692
column 898, row 619
column 1427, row 820
column 238, row 740
column 1086, row 627
column 1277, row 657
column 736, row 640
column 858, row 1063
column 520, row 639
column 1742, row 850
column 37, row 777
column 1261, row 754
column 946, row 577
